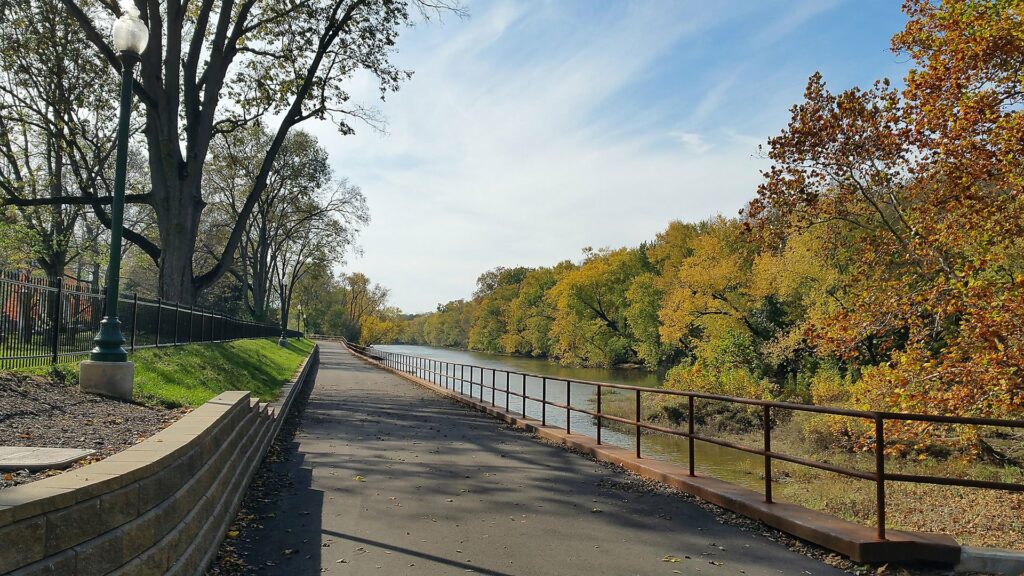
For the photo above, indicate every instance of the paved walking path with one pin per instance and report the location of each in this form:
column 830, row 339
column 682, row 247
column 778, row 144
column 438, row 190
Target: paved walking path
column 391, row 479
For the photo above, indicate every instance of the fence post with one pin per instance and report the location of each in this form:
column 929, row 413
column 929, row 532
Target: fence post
column 544, row 401
column 637, row 423
column 767, row 454
column 177, row 309
column 880, row 474
column 568, row 406
column 135, row 316
column 599, row 388
column 159, row 310
column 689, row 438
column 191, row 320
column 58, row 311
column 524, row 395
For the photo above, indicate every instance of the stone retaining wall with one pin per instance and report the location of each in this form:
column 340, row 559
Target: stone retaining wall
column 159, row 507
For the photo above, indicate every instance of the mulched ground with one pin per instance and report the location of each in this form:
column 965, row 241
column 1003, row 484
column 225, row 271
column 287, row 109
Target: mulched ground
column 39, row 411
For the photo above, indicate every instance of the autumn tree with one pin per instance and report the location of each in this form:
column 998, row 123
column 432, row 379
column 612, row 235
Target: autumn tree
column 384, row 327
column 495, row 290
column 590, row 324
column 530, row 314
column 924, row 185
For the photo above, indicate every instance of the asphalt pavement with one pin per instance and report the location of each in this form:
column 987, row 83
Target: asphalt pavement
column 388, row 478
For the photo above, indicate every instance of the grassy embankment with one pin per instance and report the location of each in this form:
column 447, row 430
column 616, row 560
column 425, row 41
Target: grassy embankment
column 976, row 517
column 191, row 374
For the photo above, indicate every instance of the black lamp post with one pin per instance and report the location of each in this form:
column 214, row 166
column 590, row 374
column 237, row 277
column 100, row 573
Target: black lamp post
column 130, row 38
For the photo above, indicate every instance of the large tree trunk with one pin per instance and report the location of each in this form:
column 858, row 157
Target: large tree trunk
column 286, row 302
column 178, row 202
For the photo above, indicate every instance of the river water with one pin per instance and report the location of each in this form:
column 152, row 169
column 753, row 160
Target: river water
column 725, row 463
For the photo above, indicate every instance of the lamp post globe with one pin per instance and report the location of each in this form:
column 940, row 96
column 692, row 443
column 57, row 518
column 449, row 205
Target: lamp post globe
column 130, row 33
column 130, row 36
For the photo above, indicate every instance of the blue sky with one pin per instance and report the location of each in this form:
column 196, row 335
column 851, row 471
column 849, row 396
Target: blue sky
column 533, row 129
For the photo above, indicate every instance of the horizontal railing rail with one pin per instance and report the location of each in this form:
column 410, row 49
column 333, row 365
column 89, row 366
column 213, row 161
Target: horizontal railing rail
column 45, row 321
column 452, row 376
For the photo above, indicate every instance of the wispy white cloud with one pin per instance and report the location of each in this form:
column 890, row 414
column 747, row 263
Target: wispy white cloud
column 527, row 134
column 789, row 20
column 693, row 141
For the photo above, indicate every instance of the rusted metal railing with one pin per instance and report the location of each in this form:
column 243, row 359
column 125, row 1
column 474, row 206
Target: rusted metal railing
column 451, row 376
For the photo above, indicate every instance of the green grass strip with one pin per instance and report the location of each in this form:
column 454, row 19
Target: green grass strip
column 191, row 374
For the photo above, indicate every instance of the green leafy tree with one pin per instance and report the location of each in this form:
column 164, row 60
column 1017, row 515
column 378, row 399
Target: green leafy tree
column 221, row 65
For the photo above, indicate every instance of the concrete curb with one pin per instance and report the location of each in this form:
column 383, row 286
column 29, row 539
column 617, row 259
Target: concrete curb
column 159, row 507
column 991, row 561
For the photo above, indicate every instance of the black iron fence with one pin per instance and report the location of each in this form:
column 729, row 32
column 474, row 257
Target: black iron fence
column 499, row 387
column 47, row 322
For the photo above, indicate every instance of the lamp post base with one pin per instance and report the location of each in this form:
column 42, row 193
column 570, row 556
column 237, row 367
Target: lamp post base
column 282, row 341
column 113, row 379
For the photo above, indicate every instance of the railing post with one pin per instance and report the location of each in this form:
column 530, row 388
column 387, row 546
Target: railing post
column 508, row 375
column 637, row 423
column 524, row 395
column 494, row 384
column 58, row 311
column 880, row 474
column 159, row 310
column 135, row 318
column 462, row 379
column 544, row 401
column 568, row 404
column 767, row 453
column 599, row 415
column 689, row 439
